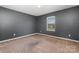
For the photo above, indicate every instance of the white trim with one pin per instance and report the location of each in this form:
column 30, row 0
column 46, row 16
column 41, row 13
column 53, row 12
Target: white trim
column 58, row 37
column 17, row 38
column 47, row 24
column 39, row 34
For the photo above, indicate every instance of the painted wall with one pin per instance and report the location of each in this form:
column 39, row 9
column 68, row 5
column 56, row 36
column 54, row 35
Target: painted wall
column 13, row 22
column 67, row 23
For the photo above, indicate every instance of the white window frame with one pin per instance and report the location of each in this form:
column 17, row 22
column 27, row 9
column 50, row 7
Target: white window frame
column 47, row 23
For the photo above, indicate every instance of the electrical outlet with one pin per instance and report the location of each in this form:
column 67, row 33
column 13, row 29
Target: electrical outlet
column 40, row 31
column 69, row 35
column 14, row 34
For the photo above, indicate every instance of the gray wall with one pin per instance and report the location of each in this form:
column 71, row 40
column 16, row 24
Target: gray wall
column 67, row 22
column 15, row 22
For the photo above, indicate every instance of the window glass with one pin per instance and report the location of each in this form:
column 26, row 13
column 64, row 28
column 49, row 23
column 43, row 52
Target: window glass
column 51, row 26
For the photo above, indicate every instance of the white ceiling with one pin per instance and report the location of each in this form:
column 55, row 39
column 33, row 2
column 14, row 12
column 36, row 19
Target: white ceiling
column 38, row 10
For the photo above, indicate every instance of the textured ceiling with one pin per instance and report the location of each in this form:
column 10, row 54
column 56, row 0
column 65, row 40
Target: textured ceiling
column 37, row 10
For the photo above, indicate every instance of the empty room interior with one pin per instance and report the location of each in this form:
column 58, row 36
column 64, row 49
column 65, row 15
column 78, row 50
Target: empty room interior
column 39, row 29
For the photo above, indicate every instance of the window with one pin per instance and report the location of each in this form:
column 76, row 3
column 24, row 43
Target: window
column 51, row 26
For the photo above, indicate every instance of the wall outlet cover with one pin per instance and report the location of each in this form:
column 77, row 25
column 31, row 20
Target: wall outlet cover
column 69, row 35
column 14, row 34
column 40, row 31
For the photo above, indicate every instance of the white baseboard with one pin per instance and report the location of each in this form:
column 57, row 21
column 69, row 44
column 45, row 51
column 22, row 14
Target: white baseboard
column 17, row 38
column 39, row 34
column 58, row 37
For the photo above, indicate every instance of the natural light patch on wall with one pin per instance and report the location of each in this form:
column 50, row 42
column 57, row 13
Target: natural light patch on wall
column 51, row 25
